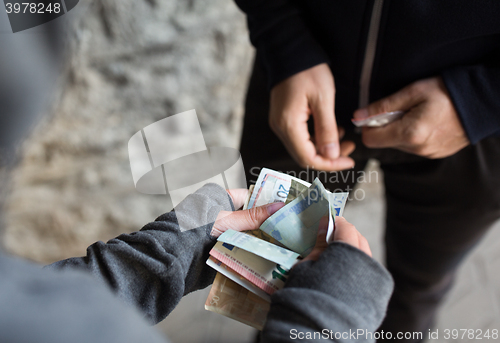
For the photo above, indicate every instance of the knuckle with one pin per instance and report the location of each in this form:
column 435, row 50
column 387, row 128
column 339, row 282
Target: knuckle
column 281, row 123
column 274, row 124
column 343, row 224
column 303, row 163
column 416, row 89
column 423, row 151
column 383, row 106
column 351, row 227
column 415, row 135
column 364, row 240
column 253, row 216
column 414, row 139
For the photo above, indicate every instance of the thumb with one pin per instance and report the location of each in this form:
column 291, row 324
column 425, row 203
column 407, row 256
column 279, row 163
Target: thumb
column 250, row 219
column 402, row 100
column 325, row 126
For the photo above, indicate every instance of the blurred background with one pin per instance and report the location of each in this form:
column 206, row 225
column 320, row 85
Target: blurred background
column 132, row 63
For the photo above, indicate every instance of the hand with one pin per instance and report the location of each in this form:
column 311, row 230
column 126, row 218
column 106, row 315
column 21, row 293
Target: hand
column 292, row 102
column 431, row 127
column 245, row 220
column 344, row 232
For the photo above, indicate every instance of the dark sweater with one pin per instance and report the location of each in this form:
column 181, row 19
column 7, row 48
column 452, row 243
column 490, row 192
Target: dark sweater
column 153, row 268
column 417, row 39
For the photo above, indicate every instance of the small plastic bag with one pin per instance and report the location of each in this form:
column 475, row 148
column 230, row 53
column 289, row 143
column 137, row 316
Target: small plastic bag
column 379, row 119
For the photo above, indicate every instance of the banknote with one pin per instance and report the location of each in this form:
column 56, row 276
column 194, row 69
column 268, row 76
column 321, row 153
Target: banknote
column 266, row 275
column 271, row 252
column 264, row 236
column 338, row 201
column 240, row 280
column 271, row 186
column 296, row 224
column 228, row 298
column 247, row 200
column 296, row 188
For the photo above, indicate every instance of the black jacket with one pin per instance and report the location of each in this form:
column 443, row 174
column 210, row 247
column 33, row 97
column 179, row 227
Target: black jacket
column 412, row 40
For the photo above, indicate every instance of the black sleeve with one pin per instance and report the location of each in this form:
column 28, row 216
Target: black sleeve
column 342, row 297
column 475, row 92
column 153, row 268
column 281, row 37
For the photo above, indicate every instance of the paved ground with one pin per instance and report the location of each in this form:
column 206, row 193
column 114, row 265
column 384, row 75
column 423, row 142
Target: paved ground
column 474, row 302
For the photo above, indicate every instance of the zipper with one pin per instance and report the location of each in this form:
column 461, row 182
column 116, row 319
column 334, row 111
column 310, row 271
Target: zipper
column 371, row 48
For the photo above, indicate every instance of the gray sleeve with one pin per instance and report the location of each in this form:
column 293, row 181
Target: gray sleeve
column 153, row 268
column 343, row 292
column 46, row 306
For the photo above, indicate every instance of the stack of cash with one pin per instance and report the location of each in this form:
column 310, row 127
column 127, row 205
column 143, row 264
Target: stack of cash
column 253, row 265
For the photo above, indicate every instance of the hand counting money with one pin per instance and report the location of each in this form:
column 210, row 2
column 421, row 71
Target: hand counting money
column 253, row 265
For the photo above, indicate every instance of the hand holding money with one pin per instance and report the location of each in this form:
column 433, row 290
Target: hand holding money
column 254, row 265
column 244, row 220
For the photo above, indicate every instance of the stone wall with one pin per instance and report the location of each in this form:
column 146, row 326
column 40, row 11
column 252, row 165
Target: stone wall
column 131, row 63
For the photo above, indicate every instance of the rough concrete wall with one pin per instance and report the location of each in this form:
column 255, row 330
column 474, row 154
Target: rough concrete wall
column 132, row 62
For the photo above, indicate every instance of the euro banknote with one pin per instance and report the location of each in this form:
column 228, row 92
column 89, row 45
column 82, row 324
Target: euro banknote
column 296, row 224
column 240, row 280
column 338, row 201
column 229, row 299
column 247, row 200
column 271, row 252
column 296, row 188
column 267, row 275
column 271, row 186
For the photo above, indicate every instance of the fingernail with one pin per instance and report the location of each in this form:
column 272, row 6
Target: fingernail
column 361, row 114
column 331, row 150
column 274, row 207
